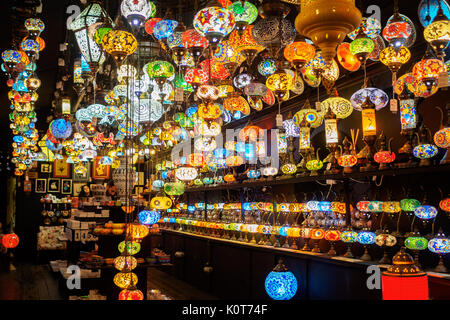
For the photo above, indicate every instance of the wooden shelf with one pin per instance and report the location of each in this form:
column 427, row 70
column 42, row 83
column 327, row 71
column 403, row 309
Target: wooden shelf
column 337, row 260
column 321, row 177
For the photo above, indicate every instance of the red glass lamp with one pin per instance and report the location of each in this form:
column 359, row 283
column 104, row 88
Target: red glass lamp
column 404, row 280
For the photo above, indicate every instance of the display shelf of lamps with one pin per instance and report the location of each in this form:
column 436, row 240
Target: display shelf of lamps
column 340, row 176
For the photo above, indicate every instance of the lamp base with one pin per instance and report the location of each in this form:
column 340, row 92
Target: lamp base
column 366, row 256
column 306, row 246
column 385, row 259
column 349, row 253
column 441, row 267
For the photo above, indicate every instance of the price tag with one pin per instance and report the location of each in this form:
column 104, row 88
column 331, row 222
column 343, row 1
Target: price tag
column 394, row 105
column 179, row 95
column 318, row 106
column 443, row 80
column 279, row 120
column 329, row 166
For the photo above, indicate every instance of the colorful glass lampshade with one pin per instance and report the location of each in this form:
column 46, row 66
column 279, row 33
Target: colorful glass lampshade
column 273, row 33
column 349, row 236
column 427, row 72
column 408, row 114
column 150, row 25
column 119, row 44
column 214, row 23
column 346, row 59
column 160, row 70
column 91, row 17
column 385, row 239
column 149, row 217
column 428, row 10
column 361, row 47
column 347, row 160
column 404, row 280
column 215, row 69
column 409, row 204
column 425, row 212
column 34, row 26
column 164, row 28
column 10, row 240
column 137, row 11
column 244, row 12
column 394, row 58
column 439, row 244
column 366, row 237
column 281, row 284
column 131, row 294
column 416, row 243
column 61, row 128
column 377, row 96
column 208, row 92
column 267, row 67
column 196, row 76
column 425, row 151
column 370, row 26
column 442, row 138
column 437, row 34
column 397, row 31
column 125, row 262
column 384, row 157
column 279, row 83
column 194, row 42
column 341, row 107
column 125, row 280
column 130, row 247
column 298, row 53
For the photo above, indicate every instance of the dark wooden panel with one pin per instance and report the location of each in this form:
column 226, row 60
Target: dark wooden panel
column 300, row 270
column 196, row 254
column 262, row 264
column 231, row 274
column 327, row 281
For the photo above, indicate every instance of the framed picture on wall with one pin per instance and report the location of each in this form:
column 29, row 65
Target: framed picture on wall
column 46, row 168
column 81, row 177
column 76, row 188
column 40, row 186
column 61, row 169
column 54, row 185
column 66, row 186
column 100, row 171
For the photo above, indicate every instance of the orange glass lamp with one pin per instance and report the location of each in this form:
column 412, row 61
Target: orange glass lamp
column 369, row 127
column 10, row 240
column 332, row 236
column 427, row 72
column 317, row 234
column 404, row 280
column 346, row 59
column 298, row 53
column 137, row 231
column 246, row 44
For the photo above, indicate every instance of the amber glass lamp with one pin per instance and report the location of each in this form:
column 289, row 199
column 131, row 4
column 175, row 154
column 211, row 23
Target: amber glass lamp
column 427, row 72
column 369, row 128
column 327, row 25
column 298, row 53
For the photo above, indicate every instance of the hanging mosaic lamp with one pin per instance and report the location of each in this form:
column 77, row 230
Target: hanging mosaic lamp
column 280, row 283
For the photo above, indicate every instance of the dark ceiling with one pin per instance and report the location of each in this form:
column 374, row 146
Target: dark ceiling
column 14, row 12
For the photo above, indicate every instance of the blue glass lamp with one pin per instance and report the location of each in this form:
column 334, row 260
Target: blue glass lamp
column 149, row 217
column 281, row 284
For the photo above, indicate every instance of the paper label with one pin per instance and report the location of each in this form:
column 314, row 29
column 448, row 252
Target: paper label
column 394, row 105
column 279, row 120
column 318, row 106
column 443, row 80
column 179, row 94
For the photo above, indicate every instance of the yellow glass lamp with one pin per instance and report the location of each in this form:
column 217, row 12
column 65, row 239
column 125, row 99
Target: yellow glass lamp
column 125, row 262
column 161, row 203
column 394, row 58
column 125, row 280
column 437, row 33
column 119, row 44
column 280, row 84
